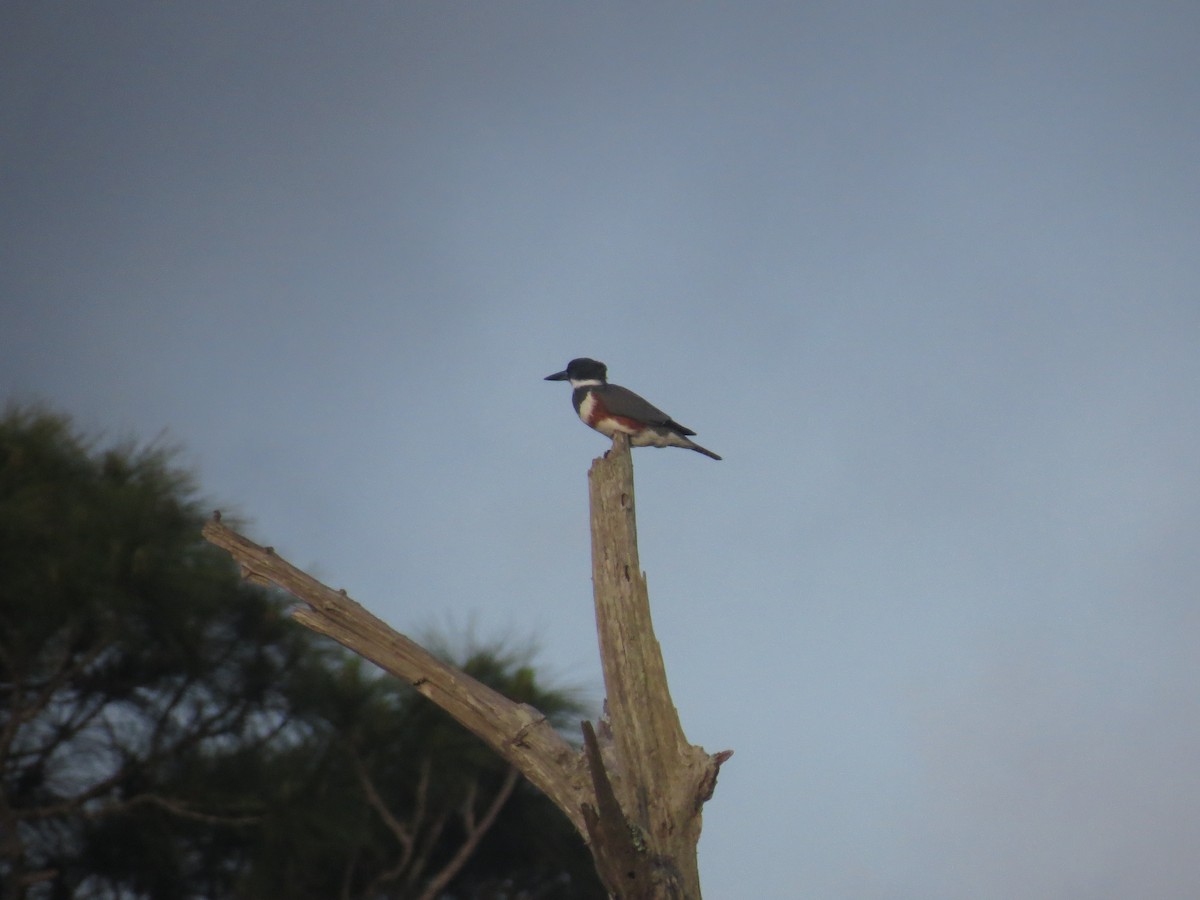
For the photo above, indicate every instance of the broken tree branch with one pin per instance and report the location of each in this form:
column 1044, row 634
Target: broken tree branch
column 660, row 780
column 516, row 731
column 636, row 791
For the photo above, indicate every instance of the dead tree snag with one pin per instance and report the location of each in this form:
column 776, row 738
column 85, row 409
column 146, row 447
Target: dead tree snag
column 636, row 789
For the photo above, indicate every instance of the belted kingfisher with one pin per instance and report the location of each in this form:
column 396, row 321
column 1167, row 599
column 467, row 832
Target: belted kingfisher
column 610, row 408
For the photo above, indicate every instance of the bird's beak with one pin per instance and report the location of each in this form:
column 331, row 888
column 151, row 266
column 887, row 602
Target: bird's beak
column 557, row 376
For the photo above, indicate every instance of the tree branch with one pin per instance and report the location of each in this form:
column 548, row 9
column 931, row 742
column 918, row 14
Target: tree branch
column 475, row 832
column 401, row 832
column 618, row 862
column 516, row 731
column 637, row 791
column 175, row 808
column 660, row 780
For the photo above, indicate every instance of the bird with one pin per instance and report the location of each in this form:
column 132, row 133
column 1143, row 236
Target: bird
column 609, row 408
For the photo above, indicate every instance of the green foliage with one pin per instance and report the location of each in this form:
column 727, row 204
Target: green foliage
column 167, row 731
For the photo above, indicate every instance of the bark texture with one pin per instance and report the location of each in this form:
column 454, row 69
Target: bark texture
column 636, row 789
column 657, row 778
column 516, row 731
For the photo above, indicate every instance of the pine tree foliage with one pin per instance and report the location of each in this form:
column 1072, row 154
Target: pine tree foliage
column 167, row 732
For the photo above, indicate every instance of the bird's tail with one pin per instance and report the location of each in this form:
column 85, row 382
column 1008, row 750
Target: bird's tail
column 692, row 445
column 662, row 436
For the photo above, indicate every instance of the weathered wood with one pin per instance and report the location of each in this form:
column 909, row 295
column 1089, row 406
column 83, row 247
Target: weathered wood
column 620, row 862
column 517, row 731
column 660, row 780
column 636, row 790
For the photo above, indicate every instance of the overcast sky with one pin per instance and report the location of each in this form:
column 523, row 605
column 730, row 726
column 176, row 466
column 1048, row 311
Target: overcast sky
column 927, row 275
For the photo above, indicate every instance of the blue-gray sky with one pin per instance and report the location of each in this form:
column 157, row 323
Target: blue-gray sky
column 926, row 274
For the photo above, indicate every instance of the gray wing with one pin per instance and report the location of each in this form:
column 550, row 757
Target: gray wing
column 624, row 402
